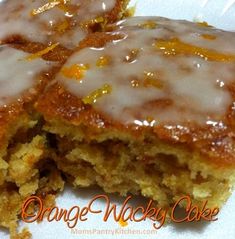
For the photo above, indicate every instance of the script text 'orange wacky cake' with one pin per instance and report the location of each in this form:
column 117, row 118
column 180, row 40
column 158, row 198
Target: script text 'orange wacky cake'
column 145, row 105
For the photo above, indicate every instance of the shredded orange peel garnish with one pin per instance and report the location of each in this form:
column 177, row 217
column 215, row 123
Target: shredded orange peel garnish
column 176, row 47
column 123, row 223
column 203, row 24
column 76, row 71
column 94, row 96
column 41, row 53
column 48, row 6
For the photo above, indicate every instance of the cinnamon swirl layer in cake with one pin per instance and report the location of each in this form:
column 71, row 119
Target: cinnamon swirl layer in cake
column 63, row 21
column 148, row 107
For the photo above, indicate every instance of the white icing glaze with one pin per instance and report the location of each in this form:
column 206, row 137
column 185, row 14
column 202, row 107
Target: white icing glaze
column 17, row 74
column 188, row 32
column 195, row 86
column 16, row 19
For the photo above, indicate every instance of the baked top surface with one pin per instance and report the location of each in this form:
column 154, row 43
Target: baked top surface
column 35, row 37
column 52, row 21
column 174, row 77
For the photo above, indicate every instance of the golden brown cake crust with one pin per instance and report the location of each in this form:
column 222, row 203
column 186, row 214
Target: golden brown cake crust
column 214, row 143
column 57, row 103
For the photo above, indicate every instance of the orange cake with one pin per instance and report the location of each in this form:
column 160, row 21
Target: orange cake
column 142, row 105
column 147, row 108
column 36, row 38
column 23, row 148
column 63, row 21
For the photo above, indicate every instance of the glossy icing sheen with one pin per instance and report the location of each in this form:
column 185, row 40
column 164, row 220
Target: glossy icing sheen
column 160, row 71
column 41, row 21
column 17, row 74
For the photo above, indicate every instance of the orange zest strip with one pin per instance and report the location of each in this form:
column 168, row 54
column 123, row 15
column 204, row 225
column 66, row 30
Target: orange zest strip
column 123, row 223
column 41, row 53
column 176, row 47
column 48, row 6
column 45, row 7
column 76, row 71
column 94, row 96
column 203, row 24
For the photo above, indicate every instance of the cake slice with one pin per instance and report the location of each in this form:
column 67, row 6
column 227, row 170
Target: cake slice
column 36, row 38
column 63, row 21
column 148, row 108
column 25, row 169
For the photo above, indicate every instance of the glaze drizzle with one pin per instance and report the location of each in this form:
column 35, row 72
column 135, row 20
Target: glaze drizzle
column 160, row 69
column 47, row 21
column 18, row 74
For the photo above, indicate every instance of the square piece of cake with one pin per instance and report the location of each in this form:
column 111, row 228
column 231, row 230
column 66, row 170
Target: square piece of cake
column 148, row 108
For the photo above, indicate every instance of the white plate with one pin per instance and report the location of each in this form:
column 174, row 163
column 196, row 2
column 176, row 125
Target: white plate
column 220, row 13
